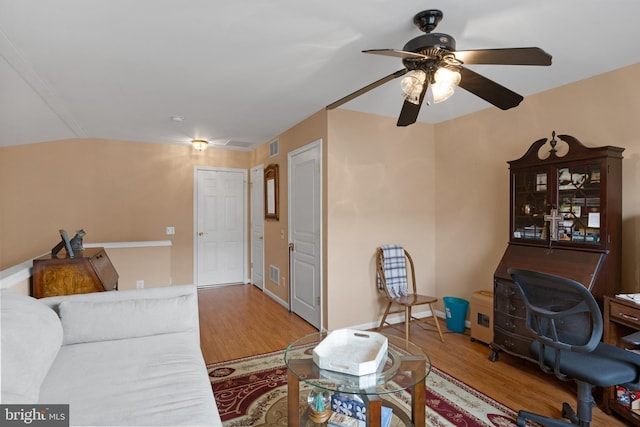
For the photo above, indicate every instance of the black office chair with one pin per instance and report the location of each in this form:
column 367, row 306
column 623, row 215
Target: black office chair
column 567, row 324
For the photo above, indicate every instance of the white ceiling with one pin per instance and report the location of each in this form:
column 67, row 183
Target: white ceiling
column 246, row 70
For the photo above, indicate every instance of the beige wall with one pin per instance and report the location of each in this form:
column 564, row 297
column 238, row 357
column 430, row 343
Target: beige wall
column 440, row 190
column 472, row 176
column 276, row 234
column 150, row 264
column 380, row 190
column 114, row 190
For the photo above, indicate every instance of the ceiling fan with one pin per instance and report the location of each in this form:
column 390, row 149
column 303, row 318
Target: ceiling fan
column 435, row 68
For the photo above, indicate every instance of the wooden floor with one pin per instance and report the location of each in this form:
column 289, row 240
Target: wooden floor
column 240, row 320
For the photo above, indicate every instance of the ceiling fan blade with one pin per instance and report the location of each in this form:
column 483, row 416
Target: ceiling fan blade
column 509, row 56
column 366, row 89
column 397, row 53
column 489, row 90
column 409, row 112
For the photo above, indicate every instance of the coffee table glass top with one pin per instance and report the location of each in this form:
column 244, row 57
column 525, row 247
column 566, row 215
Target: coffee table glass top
column 395, row 373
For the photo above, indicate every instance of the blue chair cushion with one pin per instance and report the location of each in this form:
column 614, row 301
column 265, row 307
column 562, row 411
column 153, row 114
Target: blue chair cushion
column 606, row 366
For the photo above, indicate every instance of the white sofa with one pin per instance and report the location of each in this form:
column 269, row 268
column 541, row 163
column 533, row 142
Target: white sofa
column 121, row 358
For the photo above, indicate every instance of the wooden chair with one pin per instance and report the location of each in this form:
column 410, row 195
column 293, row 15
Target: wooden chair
column 406, row 301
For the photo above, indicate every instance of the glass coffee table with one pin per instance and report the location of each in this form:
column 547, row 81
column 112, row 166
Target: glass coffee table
column 406, row 367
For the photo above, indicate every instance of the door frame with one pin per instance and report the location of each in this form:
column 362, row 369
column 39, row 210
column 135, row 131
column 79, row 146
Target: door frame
column 312, row 145
column 260, row 185
column 245, row 220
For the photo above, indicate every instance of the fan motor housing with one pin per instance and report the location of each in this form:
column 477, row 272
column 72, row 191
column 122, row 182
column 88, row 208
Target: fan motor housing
column 433, row 45
column 431, row 40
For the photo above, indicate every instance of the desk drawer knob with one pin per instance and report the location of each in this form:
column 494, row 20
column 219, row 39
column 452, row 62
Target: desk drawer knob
column 628, row 316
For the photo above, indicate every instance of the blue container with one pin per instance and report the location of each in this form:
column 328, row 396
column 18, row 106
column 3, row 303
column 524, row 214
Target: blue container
column 456, row 313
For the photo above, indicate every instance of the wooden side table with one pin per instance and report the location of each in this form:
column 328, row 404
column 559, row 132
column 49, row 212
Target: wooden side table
column 621, row 318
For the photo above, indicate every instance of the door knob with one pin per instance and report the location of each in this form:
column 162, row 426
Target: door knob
column 202, row 233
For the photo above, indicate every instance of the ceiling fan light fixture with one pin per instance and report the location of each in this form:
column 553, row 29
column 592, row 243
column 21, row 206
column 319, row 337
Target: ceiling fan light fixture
column 446, row 79
column 412, row 86
column 200, row 144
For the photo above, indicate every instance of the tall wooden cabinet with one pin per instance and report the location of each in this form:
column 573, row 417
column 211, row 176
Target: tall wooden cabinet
column 565, row 219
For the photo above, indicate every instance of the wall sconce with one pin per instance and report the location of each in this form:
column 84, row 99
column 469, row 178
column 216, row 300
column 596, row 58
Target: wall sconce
column 200, row 144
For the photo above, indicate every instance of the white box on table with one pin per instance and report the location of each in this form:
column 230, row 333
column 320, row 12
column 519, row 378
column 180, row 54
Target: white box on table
column 351, row 351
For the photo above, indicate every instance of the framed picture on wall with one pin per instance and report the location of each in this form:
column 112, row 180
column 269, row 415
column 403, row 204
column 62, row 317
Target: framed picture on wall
column 271, row 192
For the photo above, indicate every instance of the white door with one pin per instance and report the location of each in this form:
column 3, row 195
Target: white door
column 220, row 226
column 305, row 229
column 257, row 226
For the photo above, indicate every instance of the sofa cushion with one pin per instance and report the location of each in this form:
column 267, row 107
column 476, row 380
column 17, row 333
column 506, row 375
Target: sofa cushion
column 159, row 380
column 90, row 321
column 31, row 339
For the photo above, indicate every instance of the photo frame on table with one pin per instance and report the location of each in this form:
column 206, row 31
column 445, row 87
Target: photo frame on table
column 271, row 186
column 65, row 243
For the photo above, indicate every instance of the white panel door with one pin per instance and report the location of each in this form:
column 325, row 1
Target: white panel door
column 220, row 226
column 305, row 229
column 257, row 226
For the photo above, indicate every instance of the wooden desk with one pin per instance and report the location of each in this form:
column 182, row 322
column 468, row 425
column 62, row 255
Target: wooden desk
column 88, row 271
column 621, row 318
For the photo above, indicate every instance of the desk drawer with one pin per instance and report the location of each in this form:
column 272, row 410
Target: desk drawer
column 507, row 299
column 512, row 343
column 511, row 324
column 625, row 314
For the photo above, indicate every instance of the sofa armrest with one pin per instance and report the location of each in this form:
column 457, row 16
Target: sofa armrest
column 126, row 314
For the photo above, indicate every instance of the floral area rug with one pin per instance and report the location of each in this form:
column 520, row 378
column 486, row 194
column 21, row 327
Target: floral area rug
column 253, row 392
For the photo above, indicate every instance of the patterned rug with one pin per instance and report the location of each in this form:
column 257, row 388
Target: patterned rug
column 253, row 392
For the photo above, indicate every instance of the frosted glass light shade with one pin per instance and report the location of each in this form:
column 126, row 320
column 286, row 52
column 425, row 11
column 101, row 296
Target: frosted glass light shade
column 200, row 144
column 412, row 86
column 446, row 80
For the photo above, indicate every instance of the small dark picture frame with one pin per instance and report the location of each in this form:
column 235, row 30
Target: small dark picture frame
column 64, row 243
column 271, row 185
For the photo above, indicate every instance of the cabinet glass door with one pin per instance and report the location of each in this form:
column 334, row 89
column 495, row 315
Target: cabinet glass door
column 530, row 205
column 579, row 204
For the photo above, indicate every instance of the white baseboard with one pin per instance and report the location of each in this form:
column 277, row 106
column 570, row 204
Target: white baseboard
column 398, row 318
column 276, row 298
